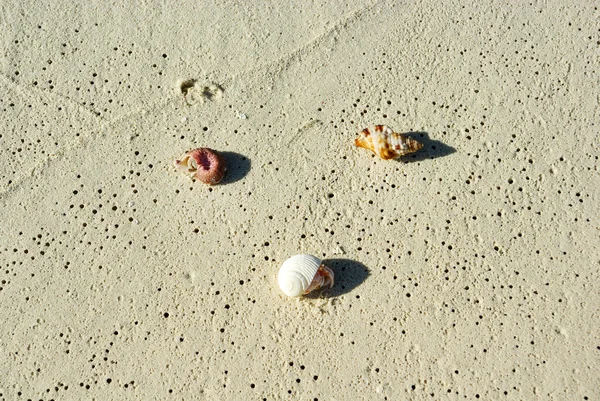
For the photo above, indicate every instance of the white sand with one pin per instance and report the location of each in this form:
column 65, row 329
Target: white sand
column 469, row 271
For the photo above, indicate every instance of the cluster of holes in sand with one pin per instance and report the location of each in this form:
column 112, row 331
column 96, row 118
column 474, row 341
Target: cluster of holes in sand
column 97, row 359
column 304, row 376
column 109, row 207
column 89, row 80
column 522, row 64
column 35, row 138
column 68, row 52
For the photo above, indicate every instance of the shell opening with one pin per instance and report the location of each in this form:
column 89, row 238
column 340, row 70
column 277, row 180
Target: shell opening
column 204, row 160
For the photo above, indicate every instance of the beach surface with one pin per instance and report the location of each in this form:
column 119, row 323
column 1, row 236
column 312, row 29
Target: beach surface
column 467, row 270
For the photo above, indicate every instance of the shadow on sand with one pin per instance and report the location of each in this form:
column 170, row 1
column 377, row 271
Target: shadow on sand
column 432, row 149
column 349, row 274
column 238, row 167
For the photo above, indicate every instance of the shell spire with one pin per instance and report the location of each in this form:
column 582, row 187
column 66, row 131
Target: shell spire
column 386, row 143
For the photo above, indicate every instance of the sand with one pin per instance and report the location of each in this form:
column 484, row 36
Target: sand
column 468, row 270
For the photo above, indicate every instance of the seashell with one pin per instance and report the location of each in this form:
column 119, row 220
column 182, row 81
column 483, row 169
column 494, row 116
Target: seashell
column 205, row 164
column 386, row 143
column 302, row 274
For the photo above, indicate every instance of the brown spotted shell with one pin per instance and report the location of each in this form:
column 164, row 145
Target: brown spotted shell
column 386, row 143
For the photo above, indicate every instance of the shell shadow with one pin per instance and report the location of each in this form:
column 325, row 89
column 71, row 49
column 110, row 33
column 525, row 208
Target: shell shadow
column 349, row 274
column 238, row 167
column 432, row 149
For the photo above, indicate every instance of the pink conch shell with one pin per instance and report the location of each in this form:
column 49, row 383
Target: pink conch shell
column 205, row 164
column 386, row 143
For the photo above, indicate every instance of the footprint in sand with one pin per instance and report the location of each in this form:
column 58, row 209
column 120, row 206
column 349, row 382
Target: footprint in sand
column 193, row 93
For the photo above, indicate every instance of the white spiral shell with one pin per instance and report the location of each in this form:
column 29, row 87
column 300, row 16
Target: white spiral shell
column 297, row 273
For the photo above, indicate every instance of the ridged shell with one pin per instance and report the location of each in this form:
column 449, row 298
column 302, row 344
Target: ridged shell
column 386, row 143
column 296, row 274
column 205, row 164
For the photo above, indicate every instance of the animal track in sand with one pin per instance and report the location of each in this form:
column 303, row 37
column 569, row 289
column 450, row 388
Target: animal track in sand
column 193, row 94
